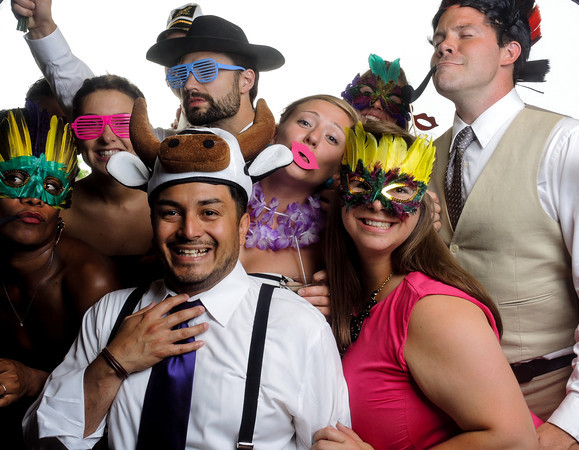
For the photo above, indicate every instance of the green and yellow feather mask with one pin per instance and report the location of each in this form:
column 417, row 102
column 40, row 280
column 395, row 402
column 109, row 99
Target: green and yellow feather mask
column 386, row 170
column 38, row 157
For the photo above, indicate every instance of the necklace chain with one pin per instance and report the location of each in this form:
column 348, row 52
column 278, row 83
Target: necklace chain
column 375, row 293
column 357, row 321
column 21, row 319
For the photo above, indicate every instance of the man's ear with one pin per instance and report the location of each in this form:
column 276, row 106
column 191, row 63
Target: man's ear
column 246, row 81
column 243, row 227
column 510, row 53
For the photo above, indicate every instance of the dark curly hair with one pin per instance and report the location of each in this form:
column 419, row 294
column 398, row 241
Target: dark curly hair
column 510, row 20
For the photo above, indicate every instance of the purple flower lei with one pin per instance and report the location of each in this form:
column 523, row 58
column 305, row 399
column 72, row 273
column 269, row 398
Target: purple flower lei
column 301, row 223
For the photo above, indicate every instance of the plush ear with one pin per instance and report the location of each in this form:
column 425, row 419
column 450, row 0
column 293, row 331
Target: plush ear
column 272, row 158
column 144, row 141
column 129, row 170
column 259, row 135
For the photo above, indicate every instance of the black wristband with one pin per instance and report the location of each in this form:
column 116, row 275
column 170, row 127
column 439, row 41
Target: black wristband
column 114, row 364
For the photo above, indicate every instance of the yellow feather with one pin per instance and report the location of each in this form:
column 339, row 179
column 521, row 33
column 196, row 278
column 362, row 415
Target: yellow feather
column 420, row 159
column 397, row 151
column 372, row 153
column 51, row 138
column 18, row 136
column 60, row 146
column 390, row 153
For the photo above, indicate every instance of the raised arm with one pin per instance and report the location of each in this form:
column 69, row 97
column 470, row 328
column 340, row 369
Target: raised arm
column 63, row 70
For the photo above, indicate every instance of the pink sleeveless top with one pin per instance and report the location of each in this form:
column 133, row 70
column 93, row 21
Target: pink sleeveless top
column 388, row 409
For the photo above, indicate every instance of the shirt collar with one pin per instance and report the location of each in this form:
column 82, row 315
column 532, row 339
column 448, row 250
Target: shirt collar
column 223, row 299
column 490, row 121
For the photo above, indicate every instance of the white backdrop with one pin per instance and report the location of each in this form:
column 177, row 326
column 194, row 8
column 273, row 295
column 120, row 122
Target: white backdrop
column 325, row 43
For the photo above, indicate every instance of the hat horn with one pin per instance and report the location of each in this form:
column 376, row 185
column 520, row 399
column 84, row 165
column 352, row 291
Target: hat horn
column 258, row 136
column 145, row 143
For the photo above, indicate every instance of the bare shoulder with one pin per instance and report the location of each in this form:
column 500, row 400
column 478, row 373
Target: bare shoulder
column 87, row 273
column 442, row 314
column 79, row 256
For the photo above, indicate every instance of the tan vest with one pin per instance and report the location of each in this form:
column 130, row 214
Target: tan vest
column 506, row 240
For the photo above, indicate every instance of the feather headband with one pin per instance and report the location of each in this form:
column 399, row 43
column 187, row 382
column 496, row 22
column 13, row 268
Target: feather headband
column 389, row 154
column 32, row 144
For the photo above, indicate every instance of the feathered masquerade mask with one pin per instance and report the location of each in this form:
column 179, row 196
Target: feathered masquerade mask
column 379, row 85
column 385, row 170
column 38, row 157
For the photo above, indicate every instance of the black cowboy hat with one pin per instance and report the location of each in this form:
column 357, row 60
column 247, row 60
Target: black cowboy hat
column 214, row 34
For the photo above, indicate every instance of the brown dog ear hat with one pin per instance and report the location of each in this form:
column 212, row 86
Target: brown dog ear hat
column 198, row 154
column 183, row 152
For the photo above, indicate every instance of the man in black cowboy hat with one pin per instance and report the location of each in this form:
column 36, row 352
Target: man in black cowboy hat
column 525, row 255
column 216, row 70
column 226, row 102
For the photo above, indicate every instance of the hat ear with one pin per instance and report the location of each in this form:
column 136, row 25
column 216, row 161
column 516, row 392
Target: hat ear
column 144, row 141
column 129, row 170
column 259, row 135
column 274, row 157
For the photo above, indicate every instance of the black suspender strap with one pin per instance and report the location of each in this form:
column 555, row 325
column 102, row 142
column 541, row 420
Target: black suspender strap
column 128, row 309
column 254, row 363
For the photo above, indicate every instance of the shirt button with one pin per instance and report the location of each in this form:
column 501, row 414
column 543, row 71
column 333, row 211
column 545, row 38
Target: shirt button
column 454, row 248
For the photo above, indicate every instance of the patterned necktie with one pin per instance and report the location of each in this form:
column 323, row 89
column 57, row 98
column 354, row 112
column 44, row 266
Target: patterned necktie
column 167, row 403
column 454, row 197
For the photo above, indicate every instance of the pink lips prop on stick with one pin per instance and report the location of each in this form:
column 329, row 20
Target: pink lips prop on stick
column 303, row 156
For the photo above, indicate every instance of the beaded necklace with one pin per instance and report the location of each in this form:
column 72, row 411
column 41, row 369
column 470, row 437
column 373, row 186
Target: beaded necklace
column 299, row 225
column 357, row 321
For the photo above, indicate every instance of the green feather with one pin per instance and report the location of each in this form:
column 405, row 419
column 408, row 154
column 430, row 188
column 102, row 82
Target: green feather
column 378, row 67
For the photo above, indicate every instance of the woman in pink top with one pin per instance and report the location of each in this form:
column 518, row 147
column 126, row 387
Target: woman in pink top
column 421, row 353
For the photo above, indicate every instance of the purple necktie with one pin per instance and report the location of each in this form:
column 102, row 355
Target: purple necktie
column 167, row 404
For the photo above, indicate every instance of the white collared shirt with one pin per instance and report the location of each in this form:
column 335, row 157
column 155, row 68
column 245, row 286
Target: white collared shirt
column 302, row 385
column 558, row 189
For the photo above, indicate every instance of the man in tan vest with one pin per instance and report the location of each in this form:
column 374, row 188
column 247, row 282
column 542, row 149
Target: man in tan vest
column 509, row 191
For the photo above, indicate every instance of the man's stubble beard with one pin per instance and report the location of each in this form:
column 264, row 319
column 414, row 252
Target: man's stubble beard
column 218, row 109
column 201, row 282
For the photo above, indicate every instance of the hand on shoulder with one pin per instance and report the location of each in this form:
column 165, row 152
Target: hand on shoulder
column 552, row 437
column 340, row 437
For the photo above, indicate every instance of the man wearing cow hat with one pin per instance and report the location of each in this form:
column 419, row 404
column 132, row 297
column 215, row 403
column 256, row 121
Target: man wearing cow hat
column 198, row 186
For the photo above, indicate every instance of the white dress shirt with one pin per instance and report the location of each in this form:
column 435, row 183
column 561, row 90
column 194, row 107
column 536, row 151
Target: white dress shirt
column 558, row 189
column 62, row 69
column 302, row 385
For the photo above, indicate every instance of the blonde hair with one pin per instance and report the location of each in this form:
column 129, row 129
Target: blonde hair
column 340, row 103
